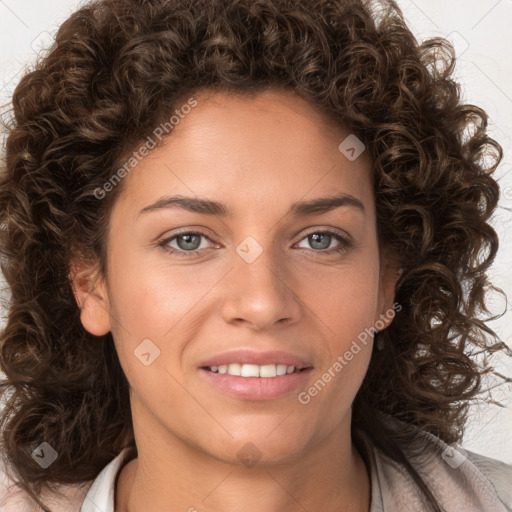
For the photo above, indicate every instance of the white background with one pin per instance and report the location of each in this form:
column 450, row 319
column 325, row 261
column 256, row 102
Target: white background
column 482, row 35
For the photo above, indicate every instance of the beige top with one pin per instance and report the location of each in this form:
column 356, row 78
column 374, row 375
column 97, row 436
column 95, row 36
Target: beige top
column 462, row 481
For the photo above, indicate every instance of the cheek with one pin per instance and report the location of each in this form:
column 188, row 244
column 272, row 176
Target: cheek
column 158, row 310
column 345, row 310
column 344, row 300
column 344, row 304
column 152, row 298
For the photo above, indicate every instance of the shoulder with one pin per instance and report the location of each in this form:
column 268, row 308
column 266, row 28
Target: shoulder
column 11, row 497
column 65, row 498
column 461, row 480
column 486, row 478
column 498, row 473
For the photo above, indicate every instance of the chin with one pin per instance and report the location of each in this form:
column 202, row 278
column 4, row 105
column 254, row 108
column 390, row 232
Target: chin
column 259, row 445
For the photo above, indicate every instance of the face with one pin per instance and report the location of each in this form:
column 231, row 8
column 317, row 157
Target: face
column 257, row 281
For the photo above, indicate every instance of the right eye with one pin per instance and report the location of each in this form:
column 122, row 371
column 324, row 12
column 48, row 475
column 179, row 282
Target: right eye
column 188, row 243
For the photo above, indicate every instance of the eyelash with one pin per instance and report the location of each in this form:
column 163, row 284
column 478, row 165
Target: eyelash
column 345, row 244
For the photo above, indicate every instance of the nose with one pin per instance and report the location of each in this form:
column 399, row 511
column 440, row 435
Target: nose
column 260, row 293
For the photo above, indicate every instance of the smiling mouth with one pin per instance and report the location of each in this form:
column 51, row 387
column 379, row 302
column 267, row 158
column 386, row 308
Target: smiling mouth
column 254, row 370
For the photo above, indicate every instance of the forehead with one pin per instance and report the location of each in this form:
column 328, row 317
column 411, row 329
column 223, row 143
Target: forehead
column 272, row 112
column 258, row 149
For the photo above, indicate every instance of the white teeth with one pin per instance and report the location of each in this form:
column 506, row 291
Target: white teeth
column 268, row 370
column 250, row 370
column 253, row 370
column 281, row 369
column 234, row 369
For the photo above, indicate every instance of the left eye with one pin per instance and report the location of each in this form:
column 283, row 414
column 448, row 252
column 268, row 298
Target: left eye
column 323, row 239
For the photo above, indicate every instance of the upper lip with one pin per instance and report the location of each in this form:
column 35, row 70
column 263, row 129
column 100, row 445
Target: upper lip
column 259, row 358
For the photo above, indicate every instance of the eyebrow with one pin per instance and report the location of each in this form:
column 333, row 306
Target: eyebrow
column 209, row 207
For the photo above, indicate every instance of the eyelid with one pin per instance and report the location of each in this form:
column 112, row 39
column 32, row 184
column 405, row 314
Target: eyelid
column 185, row 231
column 329, row 230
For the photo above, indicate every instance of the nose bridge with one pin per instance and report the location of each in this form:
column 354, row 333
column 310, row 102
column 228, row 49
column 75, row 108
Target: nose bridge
column 258, row 292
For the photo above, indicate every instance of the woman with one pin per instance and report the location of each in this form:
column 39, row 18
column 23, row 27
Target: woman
column 244, row 243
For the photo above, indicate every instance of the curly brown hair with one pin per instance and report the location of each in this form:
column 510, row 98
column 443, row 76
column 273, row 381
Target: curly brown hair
column 117, row 69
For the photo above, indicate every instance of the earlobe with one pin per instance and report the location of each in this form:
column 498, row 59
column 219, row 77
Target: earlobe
column 91, row 297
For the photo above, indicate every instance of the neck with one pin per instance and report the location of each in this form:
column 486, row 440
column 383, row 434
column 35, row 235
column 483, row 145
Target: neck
column 329, row 476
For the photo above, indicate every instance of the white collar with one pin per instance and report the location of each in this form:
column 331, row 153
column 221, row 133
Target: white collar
column 100, row 496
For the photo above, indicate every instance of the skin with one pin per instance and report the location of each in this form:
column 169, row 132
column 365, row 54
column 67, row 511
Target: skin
column 258, row 156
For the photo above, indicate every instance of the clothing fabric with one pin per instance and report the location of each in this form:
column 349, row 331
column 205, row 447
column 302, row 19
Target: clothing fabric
column 462, row 481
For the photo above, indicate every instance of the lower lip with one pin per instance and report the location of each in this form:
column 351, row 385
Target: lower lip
column 256, row 388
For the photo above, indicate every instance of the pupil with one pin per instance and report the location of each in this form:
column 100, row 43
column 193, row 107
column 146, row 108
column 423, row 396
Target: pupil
column 188, row 243
column 314, row 238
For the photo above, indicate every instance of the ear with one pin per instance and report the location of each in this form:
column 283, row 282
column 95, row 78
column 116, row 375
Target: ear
column 91, row 296
column 389, row 275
